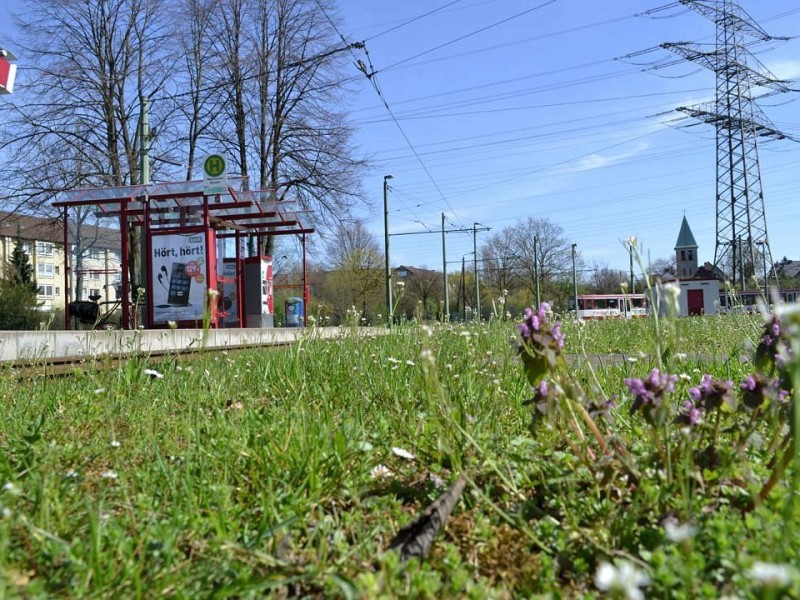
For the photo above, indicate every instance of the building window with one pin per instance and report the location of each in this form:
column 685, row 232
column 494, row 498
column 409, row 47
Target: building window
column 45, row 291
column 690, row 255
column 44, row 249
column 683, row 254
column 94, row 254
column 58, row 291
column 57, row 271
column 94, row 276
column 94, row 292
column 26, row 247
column 44, row 270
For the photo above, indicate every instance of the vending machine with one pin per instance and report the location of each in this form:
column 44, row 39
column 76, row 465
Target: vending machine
column 230, row 293
column 257, row 286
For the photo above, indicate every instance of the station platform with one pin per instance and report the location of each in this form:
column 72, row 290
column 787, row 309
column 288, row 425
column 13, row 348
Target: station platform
column 32, row 346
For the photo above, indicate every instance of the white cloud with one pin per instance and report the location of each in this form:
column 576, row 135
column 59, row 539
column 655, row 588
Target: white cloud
column 785, row 69
column 598, row 160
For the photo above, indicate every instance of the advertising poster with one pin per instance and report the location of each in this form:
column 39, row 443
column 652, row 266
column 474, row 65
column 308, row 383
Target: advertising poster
column 230, row 296
column 179, row 277
column 266, row 283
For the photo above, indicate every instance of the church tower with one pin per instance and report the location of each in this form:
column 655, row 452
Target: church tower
column 685, row 252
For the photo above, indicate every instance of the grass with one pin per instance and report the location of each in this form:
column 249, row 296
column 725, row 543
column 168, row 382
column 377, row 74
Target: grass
column 255, row 474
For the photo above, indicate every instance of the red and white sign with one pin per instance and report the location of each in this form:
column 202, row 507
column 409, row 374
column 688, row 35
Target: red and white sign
column 8, row 71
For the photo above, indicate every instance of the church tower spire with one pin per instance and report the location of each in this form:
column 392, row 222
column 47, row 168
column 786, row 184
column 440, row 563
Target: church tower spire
column 686, row 252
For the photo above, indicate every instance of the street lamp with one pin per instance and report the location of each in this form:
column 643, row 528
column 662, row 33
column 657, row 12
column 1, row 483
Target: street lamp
column 575, row 279
column 389, row 310
column 475, row 263
column 630, row 255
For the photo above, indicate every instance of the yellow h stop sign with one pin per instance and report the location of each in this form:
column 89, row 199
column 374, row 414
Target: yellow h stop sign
column 214, row 166
column 215, row 174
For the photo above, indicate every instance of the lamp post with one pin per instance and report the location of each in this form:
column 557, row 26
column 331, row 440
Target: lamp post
column 389, row 309
column 477, row 282
column 630, row 254
column 575, row 279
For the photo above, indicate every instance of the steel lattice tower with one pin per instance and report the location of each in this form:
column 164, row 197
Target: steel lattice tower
column 739, row 123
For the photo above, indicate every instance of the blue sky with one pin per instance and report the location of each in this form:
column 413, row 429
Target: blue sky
column 541, row 116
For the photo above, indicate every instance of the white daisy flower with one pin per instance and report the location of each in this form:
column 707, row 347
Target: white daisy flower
column 403, row 453
column 380, row 472
column 625, row 579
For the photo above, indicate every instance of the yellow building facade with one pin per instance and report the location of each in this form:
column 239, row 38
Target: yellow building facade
column 95, row 262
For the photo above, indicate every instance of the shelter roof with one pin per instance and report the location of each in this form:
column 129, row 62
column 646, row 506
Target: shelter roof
column 179, row 202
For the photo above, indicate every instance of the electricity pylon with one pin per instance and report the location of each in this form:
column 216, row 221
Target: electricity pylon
column 739, row 123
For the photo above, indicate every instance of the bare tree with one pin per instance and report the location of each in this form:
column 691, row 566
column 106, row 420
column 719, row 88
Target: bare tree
column 423, row 290
column 90, row 65
column 553, row 256
column 229, row 31
column 498, row 261
column 263, row 80
column 663, row 266
column 200, row 103
column 605, row 280
column 284, row 104
column 357, row 278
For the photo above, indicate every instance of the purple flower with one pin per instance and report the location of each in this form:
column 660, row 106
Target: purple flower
column 649, row 394
column 749, row 383
column 692, row 413
column 540, row 340
column 542, row 389
column 766, row 357
column 753, row 388
column 557, row 334
column 712, row 394
column 636, row 387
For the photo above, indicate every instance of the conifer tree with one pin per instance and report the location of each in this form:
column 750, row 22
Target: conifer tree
column 18, row 292
column 20, row 272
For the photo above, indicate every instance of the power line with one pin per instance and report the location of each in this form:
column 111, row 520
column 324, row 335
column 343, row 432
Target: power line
column 370, row 75
column 412, row 20
column 468, row 35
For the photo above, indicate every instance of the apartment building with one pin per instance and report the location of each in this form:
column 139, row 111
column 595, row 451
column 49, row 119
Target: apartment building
column 95, row 260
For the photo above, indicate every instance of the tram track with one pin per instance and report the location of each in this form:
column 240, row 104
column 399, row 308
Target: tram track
column 70, row 365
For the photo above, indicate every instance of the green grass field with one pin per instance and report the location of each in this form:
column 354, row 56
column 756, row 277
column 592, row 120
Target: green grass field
column 287, row 473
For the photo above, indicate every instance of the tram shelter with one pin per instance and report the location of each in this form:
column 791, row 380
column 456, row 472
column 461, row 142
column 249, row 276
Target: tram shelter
column 192, row 245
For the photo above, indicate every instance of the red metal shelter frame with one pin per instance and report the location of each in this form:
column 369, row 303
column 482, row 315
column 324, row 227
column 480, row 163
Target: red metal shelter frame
column 183, row 208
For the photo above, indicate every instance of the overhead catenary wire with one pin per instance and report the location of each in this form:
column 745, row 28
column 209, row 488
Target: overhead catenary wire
column 370, row 74
column 468, row 35
column 412, row 20
column 477, row 155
